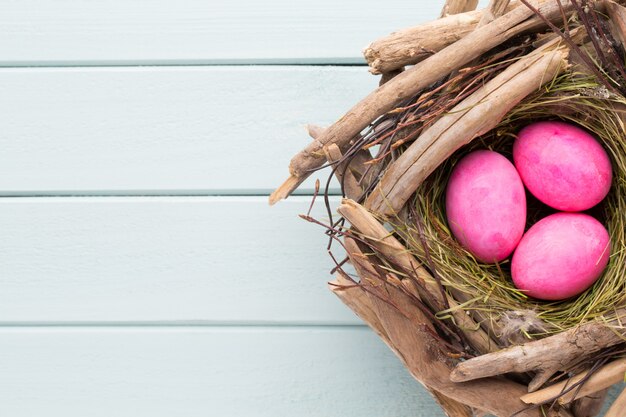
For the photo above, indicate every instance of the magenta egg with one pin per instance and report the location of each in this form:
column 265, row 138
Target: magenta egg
column 562, row 165
column 486, row 205
column 560, row 256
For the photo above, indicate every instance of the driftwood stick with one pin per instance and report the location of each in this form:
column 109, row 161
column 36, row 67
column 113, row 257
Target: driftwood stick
column 418, row 350
column 412, row 45
column 591, row 405
column 377, row 284
column 617, row 14
column 542, row 376
column 474, row 116
column 362, row 170
column 458, row 6
column 358, row 301
column 380, row 238
column 358, row 163
column 495, row 9
column 346, row 178
column 451, row 407
column 550, row 354
column 371, row 229
column 618, row 406
column 408, row 83
column 601, row 379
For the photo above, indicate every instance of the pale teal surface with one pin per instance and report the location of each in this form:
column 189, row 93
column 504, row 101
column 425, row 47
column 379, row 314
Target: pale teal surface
column 129, row 285
column 183, row 303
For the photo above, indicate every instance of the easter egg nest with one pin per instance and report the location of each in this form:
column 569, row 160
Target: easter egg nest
column 487, row 289
column 459, row 325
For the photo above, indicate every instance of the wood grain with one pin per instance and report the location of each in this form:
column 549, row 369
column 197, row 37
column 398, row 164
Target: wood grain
column 219, row 260
column 167, row 32
column 239, row 372
column 184, row 130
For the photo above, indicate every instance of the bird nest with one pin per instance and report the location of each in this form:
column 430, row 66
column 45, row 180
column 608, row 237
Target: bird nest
column 487, row 289
column 460, row 326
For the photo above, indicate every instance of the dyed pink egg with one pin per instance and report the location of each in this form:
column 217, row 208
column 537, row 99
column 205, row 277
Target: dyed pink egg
column 486, row 205
column 560, row 256
column 562, row 165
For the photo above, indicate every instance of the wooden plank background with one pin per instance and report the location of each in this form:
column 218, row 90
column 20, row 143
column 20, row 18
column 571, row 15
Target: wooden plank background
column 141, row 271
column 164, row 130
column 164, row 32
column 212, row 260
column 203, row 371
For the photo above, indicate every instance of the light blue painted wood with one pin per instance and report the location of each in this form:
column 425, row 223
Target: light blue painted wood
column 102, row 293
column 209, row 130
column 235, row 372
column 140, row 32
column 184, row 260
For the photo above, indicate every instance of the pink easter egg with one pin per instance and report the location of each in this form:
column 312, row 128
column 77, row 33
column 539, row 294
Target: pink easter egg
column 560, row 256
column 562, row 165
column 486, row 205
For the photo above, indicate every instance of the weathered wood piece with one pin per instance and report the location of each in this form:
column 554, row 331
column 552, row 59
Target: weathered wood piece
column 450, row 406
column 357, row 300
column 373, row 231
column 422, row 355
column 345, row 176
column 412, row 45
column 547, row 355
column 591, row 405
column 601, row 379
column 380, row 286
column 617, row 14
column 474, row 116
column 427, row 363
column 358, row 165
